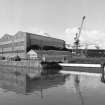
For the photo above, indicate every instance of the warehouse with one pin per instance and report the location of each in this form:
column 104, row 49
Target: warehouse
column 22, row 42
column 42, row 42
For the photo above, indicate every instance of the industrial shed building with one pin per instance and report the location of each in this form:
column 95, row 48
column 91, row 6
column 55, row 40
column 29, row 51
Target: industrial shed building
column 44, row 43
column 22, row 42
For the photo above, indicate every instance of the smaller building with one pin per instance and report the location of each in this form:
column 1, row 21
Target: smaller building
column 32, row 54
column 50, row 56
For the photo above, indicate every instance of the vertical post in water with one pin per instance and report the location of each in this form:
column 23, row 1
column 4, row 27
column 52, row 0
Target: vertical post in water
column 103, row 72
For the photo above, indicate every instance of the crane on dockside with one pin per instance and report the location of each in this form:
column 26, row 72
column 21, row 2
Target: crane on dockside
column 77, row 37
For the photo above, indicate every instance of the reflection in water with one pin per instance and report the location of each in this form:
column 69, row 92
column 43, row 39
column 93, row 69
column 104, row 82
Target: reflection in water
column 56, row 89
column 77, row 87
column 21, row 83
column 45, row 82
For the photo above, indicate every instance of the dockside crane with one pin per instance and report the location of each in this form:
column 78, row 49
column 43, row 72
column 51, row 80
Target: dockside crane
column 76, row 38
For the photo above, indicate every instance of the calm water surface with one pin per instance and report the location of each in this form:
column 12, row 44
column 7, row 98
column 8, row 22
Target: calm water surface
column 60, row 89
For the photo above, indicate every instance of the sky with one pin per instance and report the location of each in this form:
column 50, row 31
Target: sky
column 57, row 18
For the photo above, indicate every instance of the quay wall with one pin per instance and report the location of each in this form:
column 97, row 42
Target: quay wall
column 23, row 63
column 21, row 67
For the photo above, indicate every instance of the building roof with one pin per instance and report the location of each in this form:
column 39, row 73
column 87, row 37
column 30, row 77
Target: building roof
column 20, row 34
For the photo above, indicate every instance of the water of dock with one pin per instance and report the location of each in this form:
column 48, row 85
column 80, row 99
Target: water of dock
column 68, row 89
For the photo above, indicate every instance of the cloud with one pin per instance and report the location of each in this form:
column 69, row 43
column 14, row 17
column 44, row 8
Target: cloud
column 34, row 30
column 93, row 37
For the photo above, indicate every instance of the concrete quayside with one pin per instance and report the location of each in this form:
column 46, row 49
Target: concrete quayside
column 91, row 68
column 35, row 68
column 31, row 68
column 95, row 69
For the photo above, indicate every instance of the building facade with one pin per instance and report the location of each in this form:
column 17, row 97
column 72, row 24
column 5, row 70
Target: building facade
column 10, row 46
column 22, row 42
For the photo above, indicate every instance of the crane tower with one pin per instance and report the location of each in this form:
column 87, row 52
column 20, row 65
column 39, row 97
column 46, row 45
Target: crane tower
column 76, row 38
